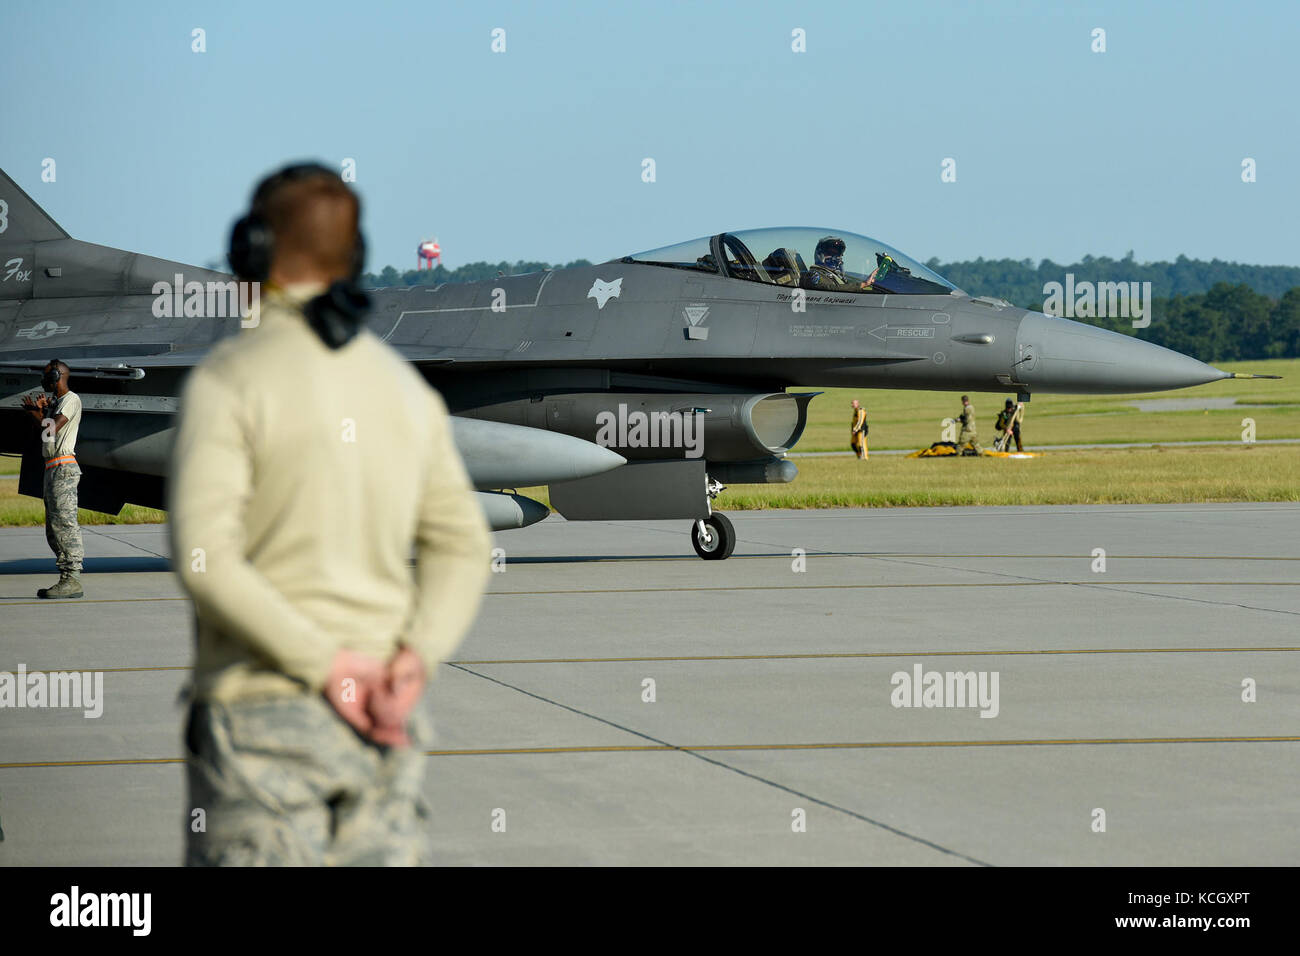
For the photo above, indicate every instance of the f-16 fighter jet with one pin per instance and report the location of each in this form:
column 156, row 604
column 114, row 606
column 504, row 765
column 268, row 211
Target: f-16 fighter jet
column 634, row 389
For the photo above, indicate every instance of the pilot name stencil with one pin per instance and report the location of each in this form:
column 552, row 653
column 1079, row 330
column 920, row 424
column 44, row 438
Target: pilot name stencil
column 817, row 299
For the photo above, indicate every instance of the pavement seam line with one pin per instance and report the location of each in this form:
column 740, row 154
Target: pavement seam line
column 708, row 658
column 696, row 749
column 736, row 770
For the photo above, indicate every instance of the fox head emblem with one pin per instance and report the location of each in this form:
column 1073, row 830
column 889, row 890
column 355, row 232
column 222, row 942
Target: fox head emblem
column 603, row 291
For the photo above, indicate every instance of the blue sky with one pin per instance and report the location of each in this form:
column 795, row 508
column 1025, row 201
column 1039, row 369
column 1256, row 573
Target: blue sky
column 536, row 153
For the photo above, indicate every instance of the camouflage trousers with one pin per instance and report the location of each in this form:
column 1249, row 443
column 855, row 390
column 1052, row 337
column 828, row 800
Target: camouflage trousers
column 969, row 437
column 287, row 782
column 62, row 532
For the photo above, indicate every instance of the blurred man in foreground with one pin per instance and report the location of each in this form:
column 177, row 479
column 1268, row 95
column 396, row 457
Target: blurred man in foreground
column 310, row 461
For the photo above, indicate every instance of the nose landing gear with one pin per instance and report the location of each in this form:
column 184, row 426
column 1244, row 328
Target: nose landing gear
column 714, row 537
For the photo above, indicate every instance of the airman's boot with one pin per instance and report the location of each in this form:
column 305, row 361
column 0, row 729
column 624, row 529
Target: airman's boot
column 69, row 586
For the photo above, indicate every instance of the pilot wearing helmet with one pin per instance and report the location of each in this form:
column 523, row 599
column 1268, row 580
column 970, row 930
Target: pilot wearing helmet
column 827, row 272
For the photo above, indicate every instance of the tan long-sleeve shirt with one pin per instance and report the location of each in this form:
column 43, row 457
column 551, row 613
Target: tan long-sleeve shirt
column 301, row 481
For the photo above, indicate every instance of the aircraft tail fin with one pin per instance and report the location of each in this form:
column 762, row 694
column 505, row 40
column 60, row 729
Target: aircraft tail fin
column 21, row 218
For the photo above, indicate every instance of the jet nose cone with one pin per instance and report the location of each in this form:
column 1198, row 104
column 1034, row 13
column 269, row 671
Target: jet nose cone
column 1062, row 356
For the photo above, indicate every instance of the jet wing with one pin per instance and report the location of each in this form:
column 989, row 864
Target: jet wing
column 133, row 367
column 116, row 366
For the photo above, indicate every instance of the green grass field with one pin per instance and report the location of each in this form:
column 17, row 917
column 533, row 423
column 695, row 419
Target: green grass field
column 1101, row 476
column 1111, row 476
column 20, row 511
column 911, row 420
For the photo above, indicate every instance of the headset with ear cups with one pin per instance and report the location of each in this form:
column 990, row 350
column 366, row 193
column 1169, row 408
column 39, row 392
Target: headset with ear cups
column 52, row 376
column 336, row 315
column 252, row 241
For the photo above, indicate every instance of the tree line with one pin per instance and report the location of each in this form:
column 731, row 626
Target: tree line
column 470, row 272
column 1216, row 311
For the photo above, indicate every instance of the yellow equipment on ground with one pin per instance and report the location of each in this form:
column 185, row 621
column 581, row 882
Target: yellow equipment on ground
column 948, row 449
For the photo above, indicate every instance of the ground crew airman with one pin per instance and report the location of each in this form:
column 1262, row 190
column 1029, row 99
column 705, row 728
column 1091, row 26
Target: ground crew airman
column 967, row 420
column 59, row 418
column 310, row 461
column 1009, row 420
column 858, row 431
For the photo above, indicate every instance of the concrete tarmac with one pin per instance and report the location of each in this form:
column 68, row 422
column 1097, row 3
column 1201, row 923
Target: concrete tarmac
column 775, row 677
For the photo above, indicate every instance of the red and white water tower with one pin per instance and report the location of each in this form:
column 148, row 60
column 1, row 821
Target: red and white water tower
column 427, row 253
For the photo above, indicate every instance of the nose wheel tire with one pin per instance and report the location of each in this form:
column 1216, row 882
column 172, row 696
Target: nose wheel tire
column 714, row 538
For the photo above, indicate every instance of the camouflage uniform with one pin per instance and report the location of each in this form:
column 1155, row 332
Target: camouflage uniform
column 1004, row 425
column 824, row 279
column 858, row 433
column 967, row 419
column 285, row 781
column 62, row 475
column 62, row 532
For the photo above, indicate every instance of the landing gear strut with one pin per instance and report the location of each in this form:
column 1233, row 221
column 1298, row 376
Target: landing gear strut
column 713, row 537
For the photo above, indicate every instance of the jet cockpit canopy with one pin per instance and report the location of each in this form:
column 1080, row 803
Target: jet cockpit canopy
column 824, row 260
